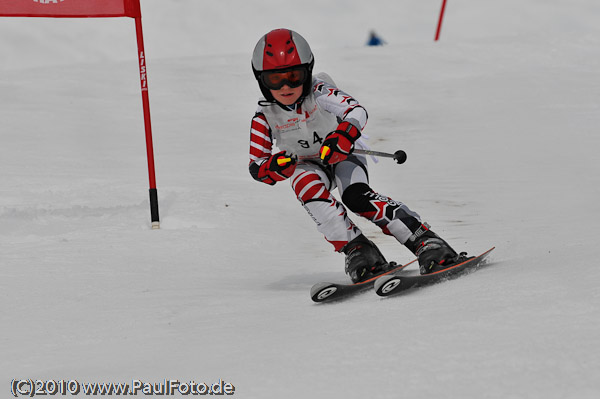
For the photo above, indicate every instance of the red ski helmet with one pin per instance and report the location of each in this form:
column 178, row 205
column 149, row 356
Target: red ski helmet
column 281, row 50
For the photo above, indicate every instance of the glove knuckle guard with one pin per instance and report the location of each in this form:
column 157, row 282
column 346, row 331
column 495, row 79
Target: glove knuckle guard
column 340, row 142
column 271, row 171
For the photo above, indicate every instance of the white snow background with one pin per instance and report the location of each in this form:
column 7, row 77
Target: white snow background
column 500, row 120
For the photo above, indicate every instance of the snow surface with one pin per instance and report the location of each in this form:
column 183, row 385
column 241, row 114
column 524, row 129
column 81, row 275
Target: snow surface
column 500, row 122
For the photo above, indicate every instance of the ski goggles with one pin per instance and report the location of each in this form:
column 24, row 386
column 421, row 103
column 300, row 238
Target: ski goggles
column 276, row 80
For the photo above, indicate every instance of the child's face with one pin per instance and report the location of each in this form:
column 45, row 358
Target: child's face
column 287, row 95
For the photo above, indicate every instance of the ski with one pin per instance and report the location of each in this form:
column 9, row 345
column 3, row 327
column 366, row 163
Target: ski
column 394, row 284
column 327, row 292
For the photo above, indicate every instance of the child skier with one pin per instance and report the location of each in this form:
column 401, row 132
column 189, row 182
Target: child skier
column 315, row 127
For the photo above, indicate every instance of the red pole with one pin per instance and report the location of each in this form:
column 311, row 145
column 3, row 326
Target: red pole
column 147, row 125
column 439, row 27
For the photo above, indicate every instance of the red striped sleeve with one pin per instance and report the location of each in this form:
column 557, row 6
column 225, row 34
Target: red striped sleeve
column 260, row 139
column 261, row 145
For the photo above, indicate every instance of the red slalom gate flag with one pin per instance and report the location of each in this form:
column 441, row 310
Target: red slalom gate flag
column 70, row 8
column 95, row 9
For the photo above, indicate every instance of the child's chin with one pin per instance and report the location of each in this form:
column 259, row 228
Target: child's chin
column 287, row 100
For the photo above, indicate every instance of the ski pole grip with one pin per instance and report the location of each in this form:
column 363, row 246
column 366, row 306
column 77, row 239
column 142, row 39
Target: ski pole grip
column 283, row 161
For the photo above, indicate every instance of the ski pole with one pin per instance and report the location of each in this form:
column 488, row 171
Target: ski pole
column 399, row 156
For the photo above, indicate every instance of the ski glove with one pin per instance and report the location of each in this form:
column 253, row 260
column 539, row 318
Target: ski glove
column 278, row 167
column 339, row 143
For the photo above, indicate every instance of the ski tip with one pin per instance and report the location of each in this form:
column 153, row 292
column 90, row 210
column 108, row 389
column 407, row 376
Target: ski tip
column 484, row 255
column 488, row 251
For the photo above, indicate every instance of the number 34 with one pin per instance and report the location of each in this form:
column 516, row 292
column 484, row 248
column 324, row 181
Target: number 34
column 316, row 139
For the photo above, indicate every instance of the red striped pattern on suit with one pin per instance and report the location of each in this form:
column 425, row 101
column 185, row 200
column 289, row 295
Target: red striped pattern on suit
column 309, row 187
column 260, row 139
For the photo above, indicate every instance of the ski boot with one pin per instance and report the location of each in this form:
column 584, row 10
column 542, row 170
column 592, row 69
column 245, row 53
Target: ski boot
column 434, row 254
column 363, row 259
